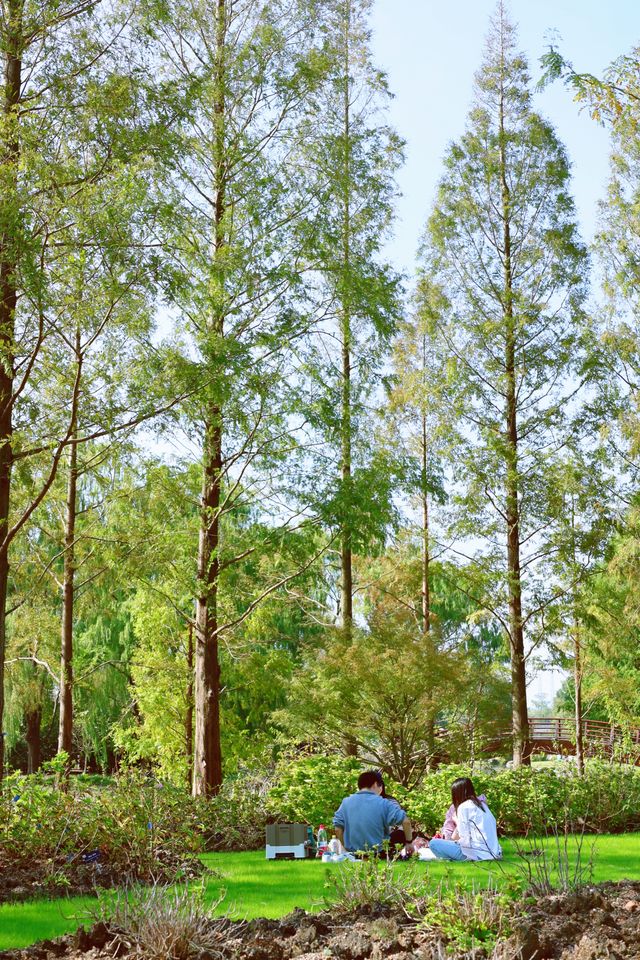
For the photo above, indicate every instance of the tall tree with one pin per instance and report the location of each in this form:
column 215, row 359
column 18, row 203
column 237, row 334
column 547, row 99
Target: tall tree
column 419, row 422
column 581, row 479
column 352, row 155
column 70, row 122
column 502, row 242
column 419, row 428
column 245, row 70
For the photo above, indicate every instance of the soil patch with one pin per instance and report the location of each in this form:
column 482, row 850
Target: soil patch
column 36, row 881
column 590, row 924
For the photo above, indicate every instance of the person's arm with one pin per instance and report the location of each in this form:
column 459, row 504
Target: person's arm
column 408, row 833
column 449, row 825
column 338, row 825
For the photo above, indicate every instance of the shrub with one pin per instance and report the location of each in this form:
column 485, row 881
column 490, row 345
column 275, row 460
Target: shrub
column 565, row 863
column 161, row 923
column 310, row 787
column 136, row 827
column 605, row 799
column 236, row 818
column 468, row 918
column 375, row 882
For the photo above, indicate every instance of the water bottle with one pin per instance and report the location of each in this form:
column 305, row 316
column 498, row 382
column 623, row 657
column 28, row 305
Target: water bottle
column 323, row 841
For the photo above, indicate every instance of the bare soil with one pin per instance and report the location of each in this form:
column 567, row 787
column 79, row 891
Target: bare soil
column 19, row 881
column 592, row 924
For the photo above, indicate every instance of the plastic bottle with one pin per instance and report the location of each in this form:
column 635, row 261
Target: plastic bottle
column 323, row 841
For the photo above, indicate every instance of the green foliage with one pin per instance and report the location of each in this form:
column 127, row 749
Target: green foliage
column 141, row 829
column 310, row 788
column 236, row 817
column 373, row 883
column 391, row 686
column 612, row 629
column 526, row 801
column 503, row 282
column 469, row 918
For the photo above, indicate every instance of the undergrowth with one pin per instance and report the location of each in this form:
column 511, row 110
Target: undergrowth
column 162, row 923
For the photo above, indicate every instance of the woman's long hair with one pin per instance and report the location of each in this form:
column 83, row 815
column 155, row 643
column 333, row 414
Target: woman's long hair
column 463, row 789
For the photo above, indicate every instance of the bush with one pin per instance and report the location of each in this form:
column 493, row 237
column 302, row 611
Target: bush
column 310, row 787
column 468, row 918
column 236, row 818
column 136, row 827
column 605, row 799
column 160, row 922
column 373, row 883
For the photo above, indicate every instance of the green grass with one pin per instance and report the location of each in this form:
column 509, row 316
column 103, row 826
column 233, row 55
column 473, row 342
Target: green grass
column 257, row 887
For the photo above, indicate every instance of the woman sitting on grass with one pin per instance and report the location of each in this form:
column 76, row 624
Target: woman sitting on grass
column 476, row 836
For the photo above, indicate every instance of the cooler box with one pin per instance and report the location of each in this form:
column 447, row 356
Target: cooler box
column 287, row 841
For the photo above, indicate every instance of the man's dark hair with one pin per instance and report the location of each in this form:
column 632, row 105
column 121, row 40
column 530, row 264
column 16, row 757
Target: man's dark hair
column 367, row 779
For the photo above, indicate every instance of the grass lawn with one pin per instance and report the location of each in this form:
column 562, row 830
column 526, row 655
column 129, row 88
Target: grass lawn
column 256, row 887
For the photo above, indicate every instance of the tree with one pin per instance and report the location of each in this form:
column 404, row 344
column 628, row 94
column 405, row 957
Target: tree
column 613, row 98
column 258, row 655
column 418, row 422
column 612, row 629
column 390, row 689
column 351, row 157
column 31, row 688
column 502, row 243
column 614, row 101
column 580, row 479
column 245, row 71
column 68, row 126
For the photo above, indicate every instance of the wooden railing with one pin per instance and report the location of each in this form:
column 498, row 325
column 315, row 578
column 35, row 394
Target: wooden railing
column 558, row 735
column 596, row 732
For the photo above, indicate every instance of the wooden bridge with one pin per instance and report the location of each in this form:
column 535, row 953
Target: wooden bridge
column 558, row 735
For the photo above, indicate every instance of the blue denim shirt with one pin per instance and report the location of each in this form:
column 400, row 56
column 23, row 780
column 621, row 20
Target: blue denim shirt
column 366, row 819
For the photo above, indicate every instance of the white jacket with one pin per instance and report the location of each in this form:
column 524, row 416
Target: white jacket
column 477, row 831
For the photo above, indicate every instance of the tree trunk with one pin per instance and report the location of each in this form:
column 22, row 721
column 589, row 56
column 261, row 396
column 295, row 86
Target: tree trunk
column 207, row 765
column 65, row 729
column 430, row 720
column 207, row 773
column 33, row 719
column 346, row 593
column 9, row 159
column 520, row 718
column 577, row 678
column 188, row 720
column 426, row 597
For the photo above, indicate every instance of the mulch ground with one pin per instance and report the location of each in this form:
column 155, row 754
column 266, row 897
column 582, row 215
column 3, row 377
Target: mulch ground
column 592, row 924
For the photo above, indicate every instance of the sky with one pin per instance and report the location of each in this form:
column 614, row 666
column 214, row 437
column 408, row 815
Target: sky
column 431, row 50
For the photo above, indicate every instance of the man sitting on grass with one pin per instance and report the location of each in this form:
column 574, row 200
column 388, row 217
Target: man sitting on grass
column 363, row 821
